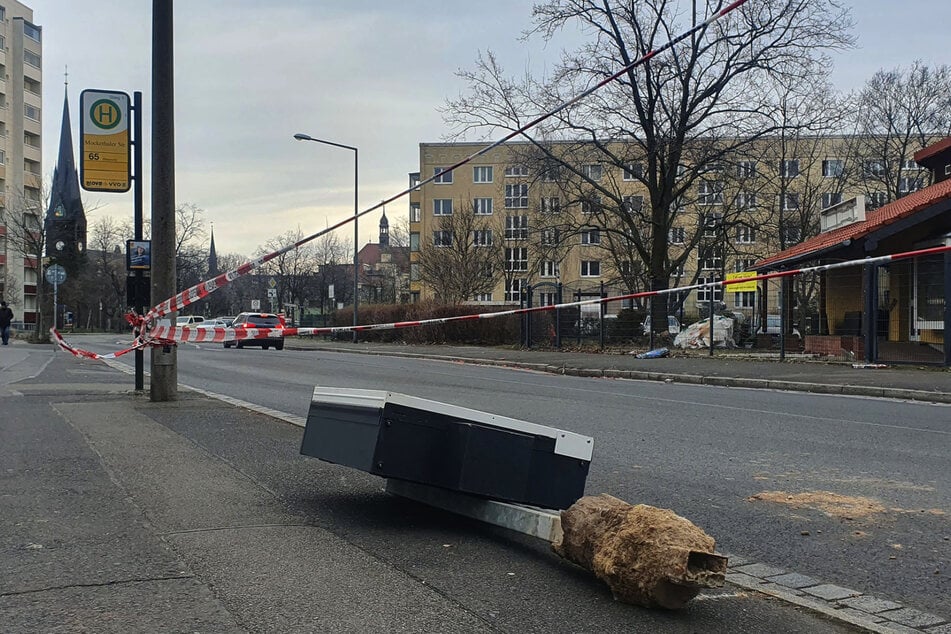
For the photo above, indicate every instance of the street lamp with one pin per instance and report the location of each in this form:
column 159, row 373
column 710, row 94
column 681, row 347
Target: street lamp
column 356, row 250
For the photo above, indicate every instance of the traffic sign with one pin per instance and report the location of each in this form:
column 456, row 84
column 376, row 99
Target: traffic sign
column 55, row 274
column 104, row 128
column 255, row 304
column 272, row 293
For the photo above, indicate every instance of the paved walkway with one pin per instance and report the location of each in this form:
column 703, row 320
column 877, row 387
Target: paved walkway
column 924, row 383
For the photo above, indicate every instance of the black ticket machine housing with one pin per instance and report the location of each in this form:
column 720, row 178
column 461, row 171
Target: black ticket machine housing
column 403, row 437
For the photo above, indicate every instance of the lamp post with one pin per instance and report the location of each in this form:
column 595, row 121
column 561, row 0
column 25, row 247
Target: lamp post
column 356, row 249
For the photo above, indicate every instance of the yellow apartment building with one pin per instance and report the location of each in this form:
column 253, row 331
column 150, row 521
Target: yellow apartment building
column 563, row 225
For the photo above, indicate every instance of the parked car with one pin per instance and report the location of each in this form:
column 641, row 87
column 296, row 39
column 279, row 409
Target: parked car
column 188, row 320
column 673, row 325
column 258, row 320
column 227, row 319
column 213, row 323
column 773, row 327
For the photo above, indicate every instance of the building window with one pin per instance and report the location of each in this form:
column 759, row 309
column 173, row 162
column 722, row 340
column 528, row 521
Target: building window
column 551, row 205
column 3, row 157
column 442, row 238
column 592, row 171
column 516, row 227
column 551, row 172
column 414, row 214
column 791, row 235
column 482, row 206
column 706, row 294
column 31, row 112
column 710, row 193
column 910, row 165
column 743, row 265
column 591, row 236
column 516, row 196
column 513, row 290
column 677, row 235
column 414, row 241
column 590, row 268
column 482, row 174
column 549, row 268
column 876, row 199
column 633, row 171
column 632, row 204
column 31, row 31
column 414, row 272
column 3, row 13
column 32, row 59
column 516, row 259
column 482, row 297
column 832, row 168
column 550, row 237
column 516, row 171
column 745, row 234
column 591, row 204
column 547, row 299
column 712, row 224
column 414, row 181
column 790, row 202
column 873, row 167
column 830, row 199
column 746, row 200
column 744, row 299
column 746, row 169
column 907, row 185
column 442, row 176
column 482, row 238
column 789, row 168
column 442, row 206
column 711, row 258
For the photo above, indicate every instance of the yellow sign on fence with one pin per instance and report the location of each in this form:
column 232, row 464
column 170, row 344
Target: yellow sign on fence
column 740, row 287
column 104, row 128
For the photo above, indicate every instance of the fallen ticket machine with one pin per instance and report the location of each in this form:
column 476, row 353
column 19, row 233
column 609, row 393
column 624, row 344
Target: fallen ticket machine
column 403, row 437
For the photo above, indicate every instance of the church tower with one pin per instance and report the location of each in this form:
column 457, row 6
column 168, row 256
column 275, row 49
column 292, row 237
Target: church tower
column 65, row 221
column 384, row 232
column 212, row 256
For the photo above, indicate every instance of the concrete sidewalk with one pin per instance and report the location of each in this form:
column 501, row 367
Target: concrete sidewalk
column 918, row 383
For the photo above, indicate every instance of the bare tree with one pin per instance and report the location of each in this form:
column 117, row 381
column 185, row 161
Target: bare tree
column 701, row 104
column 293, row 270
column 26, row 233
column 897, row 113
column 104, row 280
column 460, row 262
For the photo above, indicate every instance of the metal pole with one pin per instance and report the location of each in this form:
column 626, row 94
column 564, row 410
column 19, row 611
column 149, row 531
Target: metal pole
column 137, row 224
column 164, row 361
column 55, row 304
column 356, row 244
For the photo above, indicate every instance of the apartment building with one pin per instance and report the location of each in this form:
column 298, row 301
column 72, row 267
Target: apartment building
column 546, row 223
column 21, row 159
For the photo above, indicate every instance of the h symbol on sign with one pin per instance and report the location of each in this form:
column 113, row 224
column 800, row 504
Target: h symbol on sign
column 104, row 114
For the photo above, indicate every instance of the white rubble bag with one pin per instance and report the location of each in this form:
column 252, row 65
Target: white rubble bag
column 698, row 335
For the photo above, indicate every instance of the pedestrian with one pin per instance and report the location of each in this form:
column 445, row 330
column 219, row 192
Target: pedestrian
column 6, row 316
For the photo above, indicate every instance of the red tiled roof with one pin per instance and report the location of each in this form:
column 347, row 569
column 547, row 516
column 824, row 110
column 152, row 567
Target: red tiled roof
column 926, row 153
column 901, row 208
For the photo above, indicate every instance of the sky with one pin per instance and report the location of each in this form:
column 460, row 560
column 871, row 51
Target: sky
column 364, row 73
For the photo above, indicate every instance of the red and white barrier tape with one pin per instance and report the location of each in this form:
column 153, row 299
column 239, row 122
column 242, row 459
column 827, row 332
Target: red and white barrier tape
column 169, row 335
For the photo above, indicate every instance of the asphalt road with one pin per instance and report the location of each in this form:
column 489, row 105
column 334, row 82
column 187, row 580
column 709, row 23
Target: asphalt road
column 754, row 468
column 128, row 516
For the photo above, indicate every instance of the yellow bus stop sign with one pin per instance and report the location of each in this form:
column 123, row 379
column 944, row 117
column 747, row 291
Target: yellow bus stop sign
column 104, row 128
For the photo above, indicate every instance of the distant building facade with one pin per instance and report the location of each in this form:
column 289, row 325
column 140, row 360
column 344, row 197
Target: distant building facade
column 21, row 156
column 548, row 225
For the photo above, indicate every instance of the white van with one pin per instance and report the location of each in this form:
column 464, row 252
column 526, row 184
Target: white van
column 188, row 320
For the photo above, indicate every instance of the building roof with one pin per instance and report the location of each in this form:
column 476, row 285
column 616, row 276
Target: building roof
column 935, row 148
column 886, row 215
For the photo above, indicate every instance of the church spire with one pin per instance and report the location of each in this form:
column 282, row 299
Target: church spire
column 212, row 255
column 384, row 231
column 65, row 219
